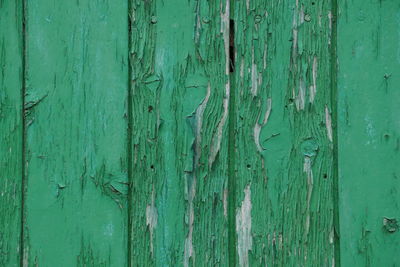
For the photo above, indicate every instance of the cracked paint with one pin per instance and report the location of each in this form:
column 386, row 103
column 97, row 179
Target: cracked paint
column 243, row 228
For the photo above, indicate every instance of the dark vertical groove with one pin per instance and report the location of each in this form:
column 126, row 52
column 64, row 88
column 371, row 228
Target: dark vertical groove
column 129, row 135
column 231, row 46
column 334, row 99
column 231, row 142
column 23, row 143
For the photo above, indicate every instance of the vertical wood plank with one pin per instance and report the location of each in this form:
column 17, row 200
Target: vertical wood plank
column 284, row 138
column 179, row 101
column 75, row 108
column 369, row 132
column 11, row 69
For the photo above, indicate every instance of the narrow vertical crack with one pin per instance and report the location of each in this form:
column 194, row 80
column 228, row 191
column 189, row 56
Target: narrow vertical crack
column 129, row 137
column 231, row 45
column 334, row 103
column 231, row 144
column 23, row 135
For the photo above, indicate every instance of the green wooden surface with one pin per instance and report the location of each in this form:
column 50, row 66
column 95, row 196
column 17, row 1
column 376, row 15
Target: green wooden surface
column 11, row 69
column 284, row 149
column 369, row 132
column 75, row 115
column 179, row 107
column 199, row 133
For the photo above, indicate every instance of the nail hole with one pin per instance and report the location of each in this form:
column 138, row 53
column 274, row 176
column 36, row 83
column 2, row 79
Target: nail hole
column 325, row 175
column 248, row 166
column 150, row 108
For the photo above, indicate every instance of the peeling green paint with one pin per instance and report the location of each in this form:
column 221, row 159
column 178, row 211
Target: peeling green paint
column 199, row 133
column 284, row 149
column 179, row 100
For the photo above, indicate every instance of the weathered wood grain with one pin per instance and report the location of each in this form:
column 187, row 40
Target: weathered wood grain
column 369, row 132
column 199, row 133
column 75, row 109
column 179, row 109
column 11, row 70
column 284, row 138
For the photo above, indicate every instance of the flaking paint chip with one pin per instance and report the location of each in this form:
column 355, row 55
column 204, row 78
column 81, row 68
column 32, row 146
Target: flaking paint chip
column 390, row 224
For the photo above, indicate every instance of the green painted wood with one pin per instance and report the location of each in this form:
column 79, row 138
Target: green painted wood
column 369, row 132
column 179, row 110
column 284, row 156
column 160, row 133
column 75, row 109
column 10, row 130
